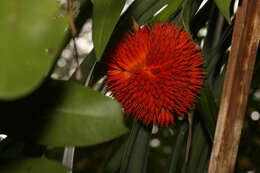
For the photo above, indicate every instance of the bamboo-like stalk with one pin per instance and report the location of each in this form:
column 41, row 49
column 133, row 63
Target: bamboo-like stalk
column 236, row 87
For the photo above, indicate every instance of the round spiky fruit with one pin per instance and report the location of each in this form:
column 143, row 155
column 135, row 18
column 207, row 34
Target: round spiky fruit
column 156, row 73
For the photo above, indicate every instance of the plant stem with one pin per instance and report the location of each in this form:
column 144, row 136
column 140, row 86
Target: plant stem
column 236, row 87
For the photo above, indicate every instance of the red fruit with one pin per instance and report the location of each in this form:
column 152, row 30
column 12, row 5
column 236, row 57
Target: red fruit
column 156, row 73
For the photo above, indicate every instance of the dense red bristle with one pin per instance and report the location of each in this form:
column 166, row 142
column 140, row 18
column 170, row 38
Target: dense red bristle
column 156, row 73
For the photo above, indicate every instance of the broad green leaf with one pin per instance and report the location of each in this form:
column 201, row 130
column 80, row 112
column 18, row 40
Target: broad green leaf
column 105, row 16
column 30, row 34
column 63, row 114
column 223, row 6
column 32, row 165
column 170, row 9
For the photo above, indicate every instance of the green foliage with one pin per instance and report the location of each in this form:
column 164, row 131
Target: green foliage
column 223, row 6
column 72, row 115
column 190, row 7
column 180, row 142
column 105, row 15
column 208, row 110
column 135, row 156
column 32, row 165
column 170, row 9
column 10, row 149
column 42, row 113
column 30, row 38
column 199, row 143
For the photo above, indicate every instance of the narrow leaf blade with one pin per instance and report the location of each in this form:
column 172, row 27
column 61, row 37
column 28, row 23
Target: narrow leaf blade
column 170, row 9
column 223, row 6
column 105, row 16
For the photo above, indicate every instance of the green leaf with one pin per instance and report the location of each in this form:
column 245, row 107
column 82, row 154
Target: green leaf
column 63, row 114
column 31, row 34
column 32, row 165
column 200, row 19
column 10, row 149
column 86, row 68
column 208, row 111
column 223, row 6
column 218, row 86
column 179, row 145
column 216, row 43
column 204, row 157
column 142, row 11
column 171, row 8
column 199, row 142
column 190, row 7
column 113, row 164
column 136, row 153
column 149, row 9
column 105, row 16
